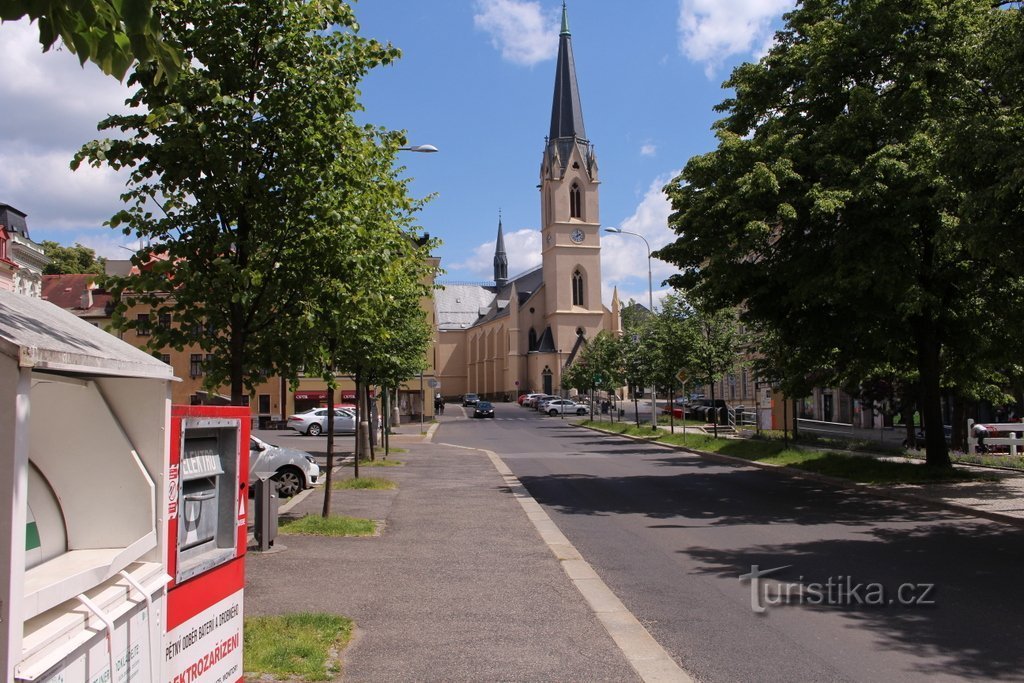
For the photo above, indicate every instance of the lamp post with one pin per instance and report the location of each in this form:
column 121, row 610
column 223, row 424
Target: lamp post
column 650, row 304
column 426, row 149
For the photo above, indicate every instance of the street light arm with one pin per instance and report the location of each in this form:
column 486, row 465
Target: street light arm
column 426, row 149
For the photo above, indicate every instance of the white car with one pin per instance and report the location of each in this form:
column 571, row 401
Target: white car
column 292, row 470
column 563, row 406
column 314, row 422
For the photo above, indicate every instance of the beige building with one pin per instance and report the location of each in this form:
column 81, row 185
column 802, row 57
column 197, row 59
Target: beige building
column 517, row 334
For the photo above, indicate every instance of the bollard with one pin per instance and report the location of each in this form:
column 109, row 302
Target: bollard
column 266, row 513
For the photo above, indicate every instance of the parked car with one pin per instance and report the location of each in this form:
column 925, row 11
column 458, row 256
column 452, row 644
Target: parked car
column 483, row 409
column 536, row 401
column 314, row 422
column 523, row 398
column 564, row 406
column 470, row 400
column 292, row 470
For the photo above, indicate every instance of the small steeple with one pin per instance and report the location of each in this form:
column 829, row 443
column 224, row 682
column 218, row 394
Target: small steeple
column 566, row 112
column 500, row 258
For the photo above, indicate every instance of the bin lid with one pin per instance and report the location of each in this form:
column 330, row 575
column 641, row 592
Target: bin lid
column 38, row 334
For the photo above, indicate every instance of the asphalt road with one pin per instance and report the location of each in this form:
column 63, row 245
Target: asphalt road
column 672, row 534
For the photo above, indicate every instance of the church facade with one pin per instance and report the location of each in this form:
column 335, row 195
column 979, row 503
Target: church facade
column 519, row 333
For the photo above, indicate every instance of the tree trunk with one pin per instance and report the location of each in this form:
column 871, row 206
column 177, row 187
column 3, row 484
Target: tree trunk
column 355, row 446
column 371, row 427
column 636, row 409
column 910, row 433
column 672, row 411
column 385, row 419
column 326, row 512
column 714, row 410
column 936, row 452
column 959, row 435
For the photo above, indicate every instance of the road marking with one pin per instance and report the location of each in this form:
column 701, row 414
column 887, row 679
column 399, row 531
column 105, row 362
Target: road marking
column 647, row 657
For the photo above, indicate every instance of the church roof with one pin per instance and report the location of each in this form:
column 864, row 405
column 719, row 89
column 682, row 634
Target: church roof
column 566, row 112
column 462, row 305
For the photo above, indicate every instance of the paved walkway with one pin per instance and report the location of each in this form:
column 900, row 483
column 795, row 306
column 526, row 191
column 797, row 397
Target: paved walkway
column 459, row 587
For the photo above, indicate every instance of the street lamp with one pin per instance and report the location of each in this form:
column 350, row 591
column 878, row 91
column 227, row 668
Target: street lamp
column 426, row 149
column 650, row 303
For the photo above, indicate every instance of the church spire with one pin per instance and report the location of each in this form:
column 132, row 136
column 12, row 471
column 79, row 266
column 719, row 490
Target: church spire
column 566, row 112
column 500, row 258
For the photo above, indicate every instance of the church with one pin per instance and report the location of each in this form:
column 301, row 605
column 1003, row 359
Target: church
column 519, row 333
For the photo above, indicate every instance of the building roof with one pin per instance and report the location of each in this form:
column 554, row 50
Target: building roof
column 38, row 334
column 13, row 220
column 461, row 305
column 566, row 112
column 77, row 293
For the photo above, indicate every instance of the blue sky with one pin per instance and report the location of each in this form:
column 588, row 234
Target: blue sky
column 475, row 80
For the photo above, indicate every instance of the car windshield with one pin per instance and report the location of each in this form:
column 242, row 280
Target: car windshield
column 484, row 405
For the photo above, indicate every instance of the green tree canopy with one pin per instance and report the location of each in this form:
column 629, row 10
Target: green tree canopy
column 830, row 210
column 112, row 34
column 241, row 171
column 69, row 260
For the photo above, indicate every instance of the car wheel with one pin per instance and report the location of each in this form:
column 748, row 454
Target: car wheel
column 581, row 411
column 289, row 482
column 552, row 412
column 314, row 429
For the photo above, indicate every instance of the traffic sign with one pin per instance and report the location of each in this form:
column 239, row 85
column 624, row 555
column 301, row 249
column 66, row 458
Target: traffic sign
column 682, row 376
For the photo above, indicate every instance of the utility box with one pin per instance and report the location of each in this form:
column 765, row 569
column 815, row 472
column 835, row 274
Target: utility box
column 83, row 482
column 206, row 527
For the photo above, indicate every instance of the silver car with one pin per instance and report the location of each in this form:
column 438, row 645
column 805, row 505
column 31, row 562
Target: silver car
column 563, row 406
column 291, row 470
column 314, row 422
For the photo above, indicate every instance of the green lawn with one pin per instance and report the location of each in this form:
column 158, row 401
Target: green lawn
column 295, row 645
column 340, row 525
column 376, row 483
column 378, row 463
column 862, row 469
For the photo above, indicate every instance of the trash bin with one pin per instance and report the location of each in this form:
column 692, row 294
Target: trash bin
column 264, row 422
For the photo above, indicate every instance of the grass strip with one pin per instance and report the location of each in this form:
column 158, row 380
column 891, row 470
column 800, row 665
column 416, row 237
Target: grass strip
column 293, row 646
column 339, row 525
column 858, row 468
column 378, row 463
column 375, row 483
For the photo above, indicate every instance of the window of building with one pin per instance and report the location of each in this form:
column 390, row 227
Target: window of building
column 264, row 401
column 142, row 325
column 577, row 288
column 575, row 203
column 532, row 343
column 165, row 358
column 165, row 321
column 195, row 365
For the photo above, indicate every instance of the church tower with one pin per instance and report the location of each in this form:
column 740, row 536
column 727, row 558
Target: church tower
column 571, row 249
column 500, row 259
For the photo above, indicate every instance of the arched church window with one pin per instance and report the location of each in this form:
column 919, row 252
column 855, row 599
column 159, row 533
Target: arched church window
column 532, row 343
column 575, row 205
column 577, row 288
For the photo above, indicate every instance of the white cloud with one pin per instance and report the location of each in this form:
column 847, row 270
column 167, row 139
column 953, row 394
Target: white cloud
column 624, row 257
column 523, row 250
column 710, row 31
column 522, row 31
column 648, row 150
column 51, row 108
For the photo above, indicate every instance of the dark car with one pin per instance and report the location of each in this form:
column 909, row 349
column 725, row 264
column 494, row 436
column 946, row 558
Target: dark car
column 470, row 399
column 483, row 409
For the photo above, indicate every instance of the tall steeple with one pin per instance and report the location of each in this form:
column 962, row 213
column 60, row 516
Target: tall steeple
column 500, row 259
column 566, row 112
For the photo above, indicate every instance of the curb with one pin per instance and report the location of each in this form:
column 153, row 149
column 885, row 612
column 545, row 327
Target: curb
column 647, row 657
column 870, row 489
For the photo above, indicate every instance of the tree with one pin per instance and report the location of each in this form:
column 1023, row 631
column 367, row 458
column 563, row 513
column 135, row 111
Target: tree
column 712, row 340
column 240, row 173
column 671, row 343
column 70, row 260
column 110, row 33
column 597, row 366
column 828, row 209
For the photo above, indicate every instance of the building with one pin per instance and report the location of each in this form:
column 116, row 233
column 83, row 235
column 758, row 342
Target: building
column 518, row 333
column 7, row 266
column 80, row 295
column 22, row 252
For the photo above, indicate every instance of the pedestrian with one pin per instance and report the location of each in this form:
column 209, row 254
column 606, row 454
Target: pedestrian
column 980, row 433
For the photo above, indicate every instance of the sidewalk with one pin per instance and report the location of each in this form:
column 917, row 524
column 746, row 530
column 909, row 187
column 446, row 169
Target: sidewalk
column 458, row 587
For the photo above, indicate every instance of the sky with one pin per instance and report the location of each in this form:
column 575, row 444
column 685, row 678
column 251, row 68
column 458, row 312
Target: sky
column 475, row 80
